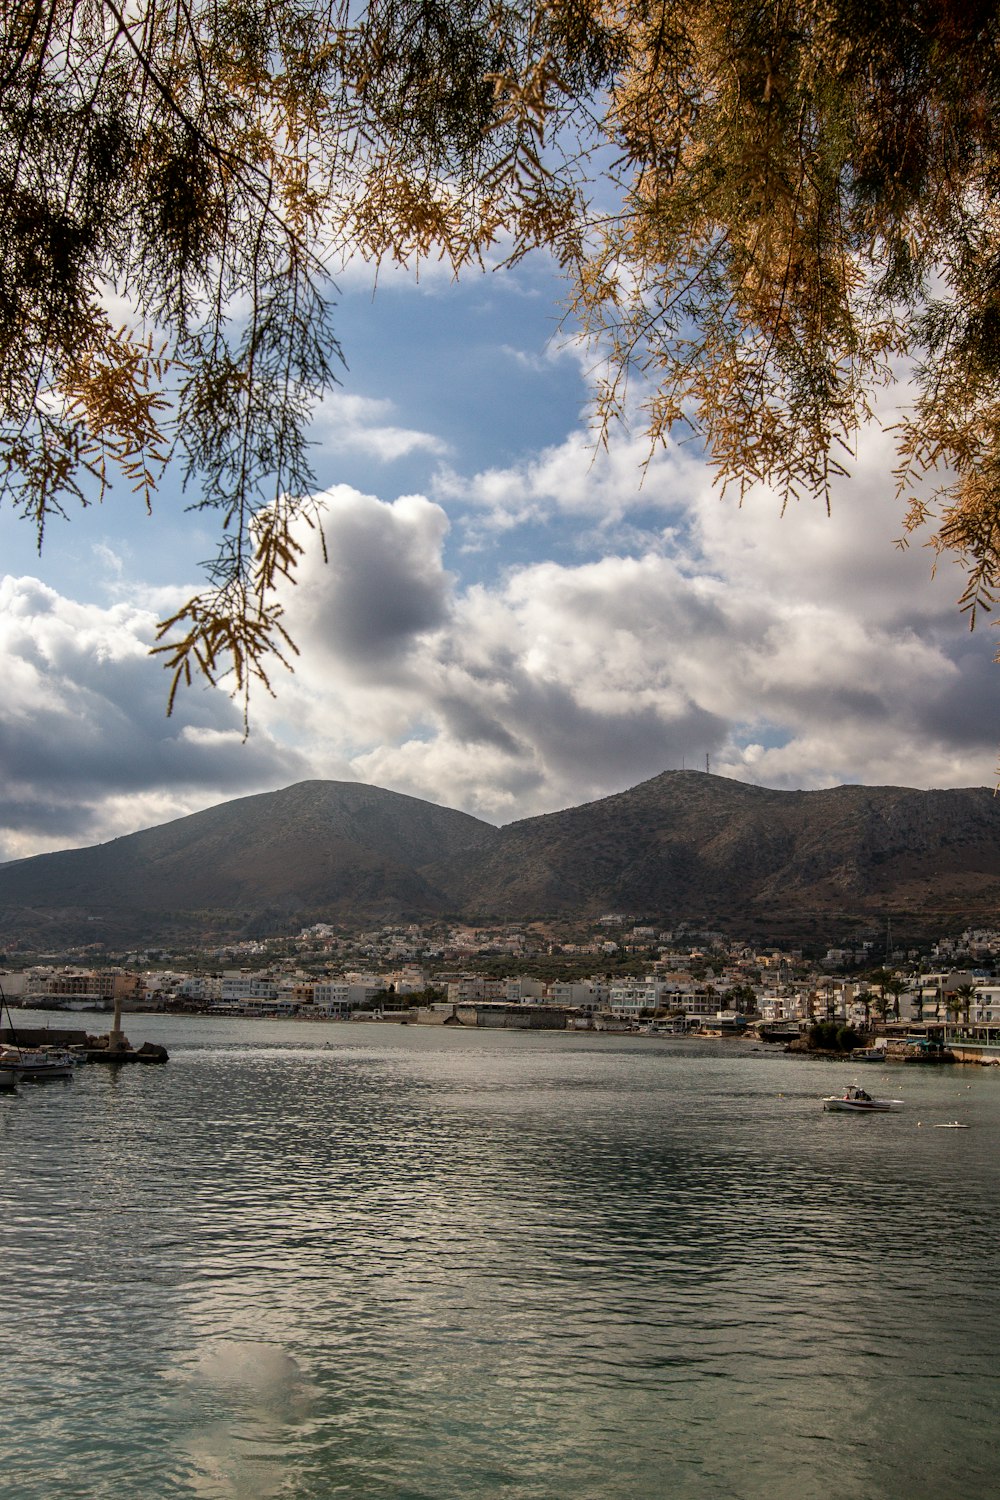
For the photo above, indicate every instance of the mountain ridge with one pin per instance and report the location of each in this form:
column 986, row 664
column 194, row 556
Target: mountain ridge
column 683, row 846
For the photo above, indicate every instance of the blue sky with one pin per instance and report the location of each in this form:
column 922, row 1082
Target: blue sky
column 509, row 622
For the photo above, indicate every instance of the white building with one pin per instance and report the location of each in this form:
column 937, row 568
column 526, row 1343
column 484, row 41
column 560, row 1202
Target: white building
column 201, row 987
column 523, row 988
column 587, row 995
column 984, row 1009
column 630, row 1001
column 339, row 998
column 234, row 989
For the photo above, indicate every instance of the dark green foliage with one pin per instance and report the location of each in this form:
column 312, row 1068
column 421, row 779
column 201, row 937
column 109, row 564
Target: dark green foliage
column 832, row 1036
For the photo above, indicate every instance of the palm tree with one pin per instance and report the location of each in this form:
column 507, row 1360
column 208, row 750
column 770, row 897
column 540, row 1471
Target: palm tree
column 881, row 979
column 895, row 987
column 827, row 986
column 964, row 996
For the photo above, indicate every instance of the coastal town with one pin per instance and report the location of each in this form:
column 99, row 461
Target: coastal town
column 613, row 975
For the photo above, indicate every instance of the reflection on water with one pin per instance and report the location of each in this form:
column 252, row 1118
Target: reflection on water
column 424, row 1265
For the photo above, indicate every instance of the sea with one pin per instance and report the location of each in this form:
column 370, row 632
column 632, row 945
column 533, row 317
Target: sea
column 399, row 1262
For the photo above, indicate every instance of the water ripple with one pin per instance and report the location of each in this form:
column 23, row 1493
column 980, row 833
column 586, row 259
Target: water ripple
column 421, row 1264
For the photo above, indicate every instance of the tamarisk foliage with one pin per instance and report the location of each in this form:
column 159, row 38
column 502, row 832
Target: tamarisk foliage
column 765, row 211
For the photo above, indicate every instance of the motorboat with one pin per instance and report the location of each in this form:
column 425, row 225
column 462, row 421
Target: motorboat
column 37, row 1064
column 855, row 1100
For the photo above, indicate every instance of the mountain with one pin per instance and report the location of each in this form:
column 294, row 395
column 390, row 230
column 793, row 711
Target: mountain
column 687, row 846
column 320, row 848
column 684, row 846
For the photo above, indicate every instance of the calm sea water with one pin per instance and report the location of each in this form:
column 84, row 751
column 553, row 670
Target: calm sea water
column 379, row 1261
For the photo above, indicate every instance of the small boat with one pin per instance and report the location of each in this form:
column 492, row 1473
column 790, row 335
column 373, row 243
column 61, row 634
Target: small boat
column 950, row 1125
column 37, row 1064
column 8, row 1080
column 32, row 1064
column 859, row 1101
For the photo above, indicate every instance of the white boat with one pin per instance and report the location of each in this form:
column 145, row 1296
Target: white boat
column 859, row 1101
column 37, row 1064
column 8, row 1080
column 31, row 1064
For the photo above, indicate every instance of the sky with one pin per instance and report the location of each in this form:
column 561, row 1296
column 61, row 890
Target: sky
column 511, row 621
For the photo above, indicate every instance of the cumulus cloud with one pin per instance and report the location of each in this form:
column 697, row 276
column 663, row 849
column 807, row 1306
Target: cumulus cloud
column 382, row 586
column 800, row 651
column 346, row 422
column 575, row 478
column 86, row 749
column 541, row 631
column 797, row 652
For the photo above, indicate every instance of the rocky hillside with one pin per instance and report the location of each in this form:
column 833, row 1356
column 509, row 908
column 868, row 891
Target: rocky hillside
column 321, row 848
column 683, row 846
column 689, row 846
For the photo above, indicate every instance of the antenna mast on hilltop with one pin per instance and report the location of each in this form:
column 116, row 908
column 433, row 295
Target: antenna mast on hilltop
column 706, row 765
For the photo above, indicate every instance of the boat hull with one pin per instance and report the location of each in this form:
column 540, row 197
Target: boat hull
column 42, row 1072
column 36, row 1066
column 859, row 1107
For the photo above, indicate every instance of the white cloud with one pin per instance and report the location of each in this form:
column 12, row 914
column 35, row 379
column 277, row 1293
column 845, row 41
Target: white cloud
column 795, row 651
column 557, row 350
column 575, row 477
column 86, row 748
column 348, row 423
column 791, row 651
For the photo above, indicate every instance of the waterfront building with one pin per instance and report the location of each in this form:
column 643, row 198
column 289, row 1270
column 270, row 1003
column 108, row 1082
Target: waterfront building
column 984, row 1009
column 80, row 989
column 235, row 988
column 201, row 988
column 273, row 1005
column 471, row 987
column 935, row 992
column 629, row 1002
column 338, row 999
column 523, row 988
column 586, row 995
column 774, row 1007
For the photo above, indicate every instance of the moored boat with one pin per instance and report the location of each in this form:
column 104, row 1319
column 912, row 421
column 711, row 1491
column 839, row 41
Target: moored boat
column 36, row 1064
column 32, row 1064
column 859, row 1101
